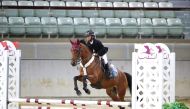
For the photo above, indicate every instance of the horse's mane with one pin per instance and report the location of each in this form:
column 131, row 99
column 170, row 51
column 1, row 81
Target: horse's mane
column 83, row 42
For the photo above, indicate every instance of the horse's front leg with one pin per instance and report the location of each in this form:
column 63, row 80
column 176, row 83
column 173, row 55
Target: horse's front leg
column 78, row 92
column 85, row 84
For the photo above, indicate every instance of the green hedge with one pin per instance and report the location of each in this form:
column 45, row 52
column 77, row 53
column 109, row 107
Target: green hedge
column 175, row 105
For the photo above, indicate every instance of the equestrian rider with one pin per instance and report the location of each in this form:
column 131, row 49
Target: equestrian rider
column 97, row 47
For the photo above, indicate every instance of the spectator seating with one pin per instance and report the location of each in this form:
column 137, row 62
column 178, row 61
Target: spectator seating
column 110, row 23
column 41, row 12
column 16, row 25
column 65, row 26
column 9, row 12
column 151, row 14
column 99, row 26
column 166, row 14
column 90, row 13
column 58, row 13
column 175, row 27
column 160, row 27
column 4, row 25
column 121, row 13
column 81, row 25
column 105, row 13
column 99, row 0
column 33, row 26
column 136, row 13
column 144, row 0
column 49, row 26
column 26, row 12
column 113, row 27
column 74, row 13
column 145, row 27
column 130, row 27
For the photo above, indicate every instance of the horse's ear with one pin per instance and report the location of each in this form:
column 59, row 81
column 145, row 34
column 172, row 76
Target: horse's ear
column 78, row 41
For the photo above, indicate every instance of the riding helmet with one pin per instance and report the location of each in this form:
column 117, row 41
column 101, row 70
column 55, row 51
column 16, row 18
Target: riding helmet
column 90, row 33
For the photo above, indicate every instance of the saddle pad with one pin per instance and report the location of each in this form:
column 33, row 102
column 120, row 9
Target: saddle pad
column 113, row 70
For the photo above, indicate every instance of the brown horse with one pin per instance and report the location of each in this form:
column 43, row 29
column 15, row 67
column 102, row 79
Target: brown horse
column 93, row 71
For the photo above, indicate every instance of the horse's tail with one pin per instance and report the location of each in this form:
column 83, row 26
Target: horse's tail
column 129, row 80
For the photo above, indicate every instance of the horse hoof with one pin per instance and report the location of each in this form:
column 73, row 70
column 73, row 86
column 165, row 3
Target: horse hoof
column 130, row 105
column 78, row 93
column 120, row 107
column 87, row 91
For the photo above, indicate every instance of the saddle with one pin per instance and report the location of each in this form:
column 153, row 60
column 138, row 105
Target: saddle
column 113, row 70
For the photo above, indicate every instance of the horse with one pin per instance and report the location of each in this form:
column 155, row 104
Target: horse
column 91, row 69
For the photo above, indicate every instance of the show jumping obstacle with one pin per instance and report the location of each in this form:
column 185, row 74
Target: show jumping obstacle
column 153, row 76
column 153, row 72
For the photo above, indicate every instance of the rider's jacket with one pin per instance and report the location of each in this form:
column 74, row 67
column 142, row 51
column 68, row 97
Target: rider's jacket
column 97, row 47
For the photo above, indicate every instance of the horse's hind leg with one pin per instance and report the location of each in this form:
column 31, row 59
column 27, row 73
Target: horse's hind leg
column 122, row 92
column 122, row 87
column 112, row 92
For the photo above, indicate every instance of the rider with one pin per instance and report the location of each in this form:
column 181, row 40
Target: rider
column 97, row 47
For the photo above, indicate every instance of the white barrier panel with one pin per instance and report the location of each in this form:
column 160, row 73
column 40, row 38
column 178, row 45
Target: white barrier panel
column 153, row 70
column 3, row 77
column 11, row 77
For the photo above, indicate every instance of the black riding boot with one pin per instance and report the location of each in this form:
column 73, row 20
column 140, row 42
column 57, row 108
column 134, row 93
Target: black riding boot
column 107, row 72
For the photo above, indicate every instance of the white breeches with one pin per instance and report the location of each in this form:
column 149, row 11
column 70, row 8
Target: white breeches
column 105, row 58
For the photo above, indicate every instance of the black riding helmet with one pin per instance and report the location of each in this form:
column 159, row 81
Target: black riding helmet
column 90, row 33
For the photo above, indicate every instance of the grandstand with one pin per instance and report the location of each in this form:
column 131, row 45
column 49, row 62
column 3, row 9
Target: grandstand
column 108, row 18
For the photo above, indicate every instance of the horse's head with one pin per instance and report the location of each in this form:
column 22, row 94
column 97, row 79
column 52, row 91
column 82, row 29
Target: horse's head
column 75, row 51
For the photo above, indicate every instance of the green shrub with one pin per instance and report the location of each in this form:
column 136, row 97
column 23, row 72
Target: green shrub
column 175, row 105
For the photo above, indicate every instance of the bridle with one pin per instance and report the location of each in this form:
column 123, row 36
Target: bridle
column 78, row 51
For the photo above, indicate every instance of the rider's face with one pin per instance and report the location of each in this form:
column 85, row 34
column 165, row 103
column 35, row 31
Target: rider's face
column 88, row 38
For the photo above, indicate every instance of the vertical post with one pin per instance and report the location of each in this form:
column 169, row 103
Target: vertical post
column 172, row 78
column 134, row 84
column 3, row 78
column 160, row 79
column 13, row 74
column 17, row 65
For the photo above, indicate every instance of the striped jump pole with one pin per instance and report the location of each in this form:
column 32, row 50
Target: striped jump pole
column 72, row 102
